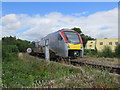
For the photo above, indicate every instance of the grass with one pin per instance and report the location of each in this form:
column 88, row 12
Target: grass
column 29, row 71
column 91, row 78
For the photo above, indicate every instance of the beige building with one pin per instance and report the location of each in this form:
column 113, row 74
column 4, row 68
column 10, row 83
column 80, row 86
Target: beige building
column 100, row 43
column 90, row 44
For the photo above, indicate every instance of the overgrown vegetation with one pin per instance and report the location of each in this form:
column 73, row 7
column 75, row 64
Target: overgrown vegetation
column 117, row 50
column 10, row 49
column 12, row 42
column 88, row 78
column 106, row 52
column 28, row 71
column 90, row 53
column 11, row 46
column 25, row 72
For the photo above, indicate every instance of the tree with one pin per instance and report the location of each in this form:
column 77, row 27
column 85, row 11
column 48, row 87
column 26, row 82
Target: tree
column 77, row 30
column 9, row 40
column 22, row 45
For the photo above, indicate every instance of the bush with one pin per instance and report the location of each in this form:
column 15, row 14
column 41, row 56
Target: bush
column 22, row 45
column 10, row 49
column 107, row 52
column 86, row 51
column 7, row 50
column 9, row 53
column 117, row 50
column 10, row 57
column 90, row 52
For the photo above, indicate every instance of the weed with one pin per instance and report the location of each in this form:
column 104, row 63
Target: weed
column 24, row 72
column 106, row 52
column 90, row 52
column 117, row 51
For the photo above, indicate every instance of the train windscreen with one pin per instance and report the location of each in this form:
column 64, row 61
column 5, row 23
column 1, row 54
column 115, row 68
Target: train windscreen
column 72, row 37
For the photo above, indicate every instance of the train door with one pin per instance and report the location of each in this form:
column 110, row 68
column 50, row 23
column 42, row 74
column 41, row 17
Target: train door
column 60, row 45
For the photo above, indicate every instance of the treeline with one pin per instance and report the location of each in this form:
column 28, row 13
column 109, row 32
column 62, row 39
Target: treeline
column 11, row 46
column 84, row 37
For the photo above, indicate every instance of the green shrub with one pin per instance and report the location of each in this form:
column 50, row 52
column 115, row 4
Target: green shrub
column 117, row 50
column 99, row 54
column 10, row 48
column 9, row 40
column 9, row 51
column 90, row 52
column 10, row 57
column 22, row 45
column 106, row 52
column 86, row 51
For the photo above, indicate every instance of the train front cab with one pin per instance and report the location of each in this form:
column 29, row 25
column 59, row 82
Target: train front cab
column 74, row 43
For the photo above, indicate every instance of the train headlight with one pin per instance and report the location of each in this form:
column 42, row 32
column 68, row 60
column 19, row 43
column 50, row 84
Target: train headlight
column 76, row 53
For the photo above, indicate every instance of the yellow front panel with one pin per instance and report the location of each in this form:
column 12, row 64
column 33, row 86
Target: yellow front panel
column 72, row 46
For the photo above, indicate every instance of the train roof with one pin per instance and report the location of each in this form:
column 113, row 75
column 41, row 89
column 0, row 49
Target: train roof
column 62, row 30
column 66, row 29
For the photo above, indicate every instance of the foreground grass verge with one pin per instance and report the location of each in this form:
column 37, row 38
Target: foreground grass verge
column 29, row 71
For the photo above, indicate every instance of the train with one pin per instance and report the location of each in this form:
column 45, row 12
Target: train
column 62, row 43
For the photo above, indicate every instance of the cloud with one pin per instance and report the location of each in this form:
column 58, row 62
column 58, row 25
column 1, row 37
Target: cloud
column 10, row 23
column 79, row 14
column 98, row 25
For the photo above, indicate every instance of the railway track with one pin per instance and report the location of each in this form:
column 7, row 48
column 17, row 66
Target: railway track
column 99, row 64
column 95, row 64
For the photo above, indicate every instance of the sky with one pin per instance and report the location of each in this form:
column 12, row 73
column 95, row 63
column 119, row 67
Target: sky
column 34, row 20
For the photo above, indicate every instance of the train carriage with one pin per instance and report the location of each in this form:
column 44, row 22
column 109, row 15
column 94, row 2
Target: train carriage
column 63, row 43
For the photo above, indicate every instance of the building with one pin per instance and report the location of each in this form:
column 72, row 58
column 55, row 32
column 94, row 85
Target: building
column 100, row 43
column 90, row 45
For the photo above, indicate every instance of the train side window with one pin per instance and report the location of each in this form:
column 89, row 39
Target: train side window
column 59, row 37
